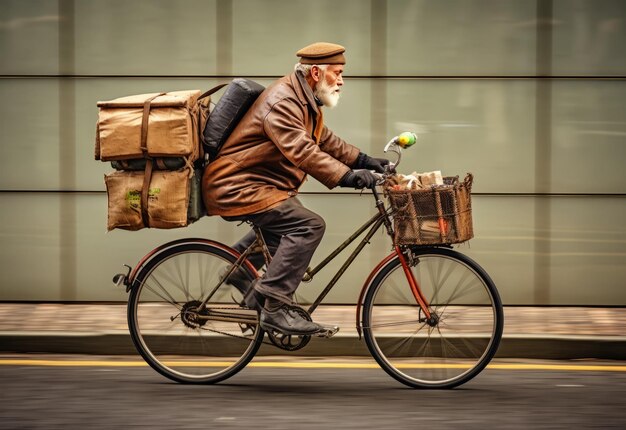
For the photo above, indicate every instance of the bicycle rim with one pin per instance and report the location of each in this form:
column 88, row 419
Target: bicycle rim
column 469, row 320
column 176, row 340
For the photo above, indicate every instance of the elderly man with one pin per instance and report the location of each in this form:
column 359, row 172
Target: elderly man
column 258, row 172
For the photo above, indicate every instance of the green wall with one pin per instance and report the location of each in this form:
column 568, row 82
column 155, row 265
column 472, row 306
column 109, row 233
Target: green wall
column 529, row 96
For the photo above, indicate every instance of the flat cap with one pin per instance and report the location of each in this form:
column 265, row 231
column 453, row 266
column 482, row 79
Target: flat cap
column 322, row 53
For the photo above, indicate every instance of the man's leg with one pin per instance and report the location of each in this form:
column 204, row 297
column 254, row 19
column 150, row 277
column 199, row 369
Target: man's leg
column 239, row 279
column 300, row 231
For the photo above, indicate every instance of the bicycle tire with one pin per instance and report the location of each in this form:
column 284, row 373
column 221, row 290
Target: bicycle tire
column 168, row 335
column 463, row 298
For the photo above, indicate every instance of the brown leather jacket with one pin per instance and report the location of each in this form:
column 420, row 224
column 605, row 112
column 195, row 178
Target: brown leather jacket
column 267, row 157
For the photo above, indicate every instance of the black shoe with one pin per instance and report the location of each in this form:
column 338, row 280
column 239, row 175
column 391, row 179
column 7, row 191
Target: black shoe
column 287, row 321
column 240, row 280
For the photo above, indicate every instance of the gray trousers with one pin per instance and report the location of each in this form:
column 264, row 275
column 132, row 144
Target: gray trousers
column 292, row 234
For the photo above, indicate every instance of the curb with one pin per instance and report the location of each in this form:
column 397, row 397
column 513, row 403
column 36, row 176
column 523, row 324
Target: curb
column 516, row 346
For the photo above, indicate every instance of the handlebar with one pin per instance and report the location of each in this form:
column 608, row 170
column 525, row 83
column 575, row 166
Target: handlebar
column 402, row 141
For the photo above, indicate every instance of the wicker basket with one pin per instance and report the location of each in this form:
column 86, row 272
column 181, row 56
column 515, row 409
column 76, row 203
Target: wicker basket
column 437, row 215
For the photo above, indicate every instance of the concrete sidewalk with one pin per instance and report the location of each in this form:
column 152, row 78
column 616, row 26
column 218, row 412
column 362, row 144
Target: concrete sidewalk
column 529, row 332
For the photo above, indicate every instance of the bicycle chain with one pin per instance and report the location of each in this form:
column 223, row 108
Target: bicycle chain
column 230, row 334
column 276, row 343
column 234, row 335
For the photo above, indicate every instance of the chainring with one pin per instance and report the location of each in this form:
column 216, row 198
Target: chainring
column 291, row 342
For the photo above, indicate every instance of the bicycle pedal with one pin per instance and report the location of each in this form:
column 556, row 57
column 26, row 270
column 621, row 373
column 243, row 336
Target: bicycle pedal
column 327, row 332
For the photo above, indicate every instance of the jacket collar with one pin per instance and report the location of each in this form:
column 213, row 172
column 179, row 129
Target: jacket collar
column 304, row 91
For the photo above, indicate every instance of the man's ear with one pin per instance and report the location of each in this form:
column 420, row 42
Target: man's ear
column 316, row 73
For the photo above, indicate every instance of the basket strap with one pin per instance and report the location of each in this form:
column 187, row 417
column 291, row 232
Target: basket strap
column 211, row 91
column 144, row 123
column 145, row 189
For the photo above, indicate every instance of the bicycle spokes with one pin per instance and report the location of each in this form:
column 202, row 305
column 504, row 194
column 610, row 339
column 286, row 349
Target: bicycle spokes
column 183, row 318
column 450, row 345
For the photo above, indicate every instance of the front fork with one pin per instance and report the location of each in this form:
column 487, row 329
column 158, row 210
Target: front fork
column 415, row 289
column 430, row 318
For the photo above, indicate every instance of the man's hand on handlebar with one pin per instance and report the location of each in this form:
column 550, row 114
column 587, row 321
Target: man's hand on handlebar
column 359, row 179
column 364, row 161
column 368, row 171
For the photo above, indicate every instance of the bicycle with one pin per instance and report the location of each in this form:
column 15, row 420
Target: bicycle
column 431, row 316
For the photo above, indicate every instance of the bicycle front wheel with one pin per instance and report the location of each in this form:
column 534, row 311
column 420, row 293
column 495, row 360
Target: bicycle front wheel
column 452, row 347
column 175, row 335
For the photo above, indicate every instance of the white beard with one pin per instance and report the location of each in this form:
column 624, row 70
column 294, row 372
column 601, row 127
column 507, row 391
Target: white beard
column 329, row 96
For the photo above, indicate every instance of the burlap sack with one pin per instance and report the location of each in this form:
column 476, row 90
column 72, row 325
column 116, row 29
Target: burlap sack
column 168, row 199
column 172, row 128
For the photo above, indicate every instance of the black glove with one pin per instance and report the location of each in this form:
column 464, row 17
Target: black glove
column 364, row 161
column 358, row 179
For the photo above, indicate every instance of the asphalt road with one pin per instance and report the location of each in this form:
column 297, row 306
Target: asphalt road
column 89, row 392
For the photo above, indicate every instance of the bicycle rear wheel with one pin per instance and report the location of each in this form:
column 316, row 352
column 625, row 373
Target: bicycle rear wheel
column 457, row 344
column 178, row 340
